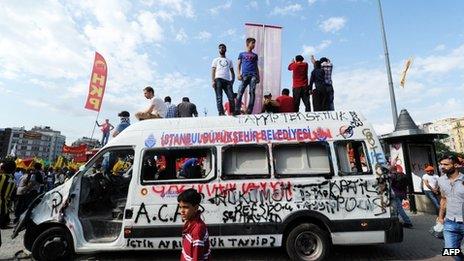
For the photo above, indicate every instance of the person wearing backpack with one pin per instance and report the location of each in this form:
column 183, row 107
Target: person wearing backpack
column 399, row 183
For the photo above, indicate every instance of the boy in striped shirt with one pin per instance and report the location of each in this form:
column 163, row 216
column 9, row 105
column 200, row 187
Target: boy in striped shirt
column 195, row 242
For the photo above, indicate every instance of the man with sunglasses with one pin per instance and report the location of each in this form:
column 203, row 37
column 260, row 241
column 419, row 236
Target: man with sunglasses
column 452, row 202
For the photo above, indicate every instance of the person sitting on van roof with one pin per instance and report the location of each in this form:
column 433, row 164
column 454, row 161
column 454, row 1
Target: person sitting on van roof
column 186, row 108
column 270, row 105
column 157, row 108
column 172, row 109
column 286, row 101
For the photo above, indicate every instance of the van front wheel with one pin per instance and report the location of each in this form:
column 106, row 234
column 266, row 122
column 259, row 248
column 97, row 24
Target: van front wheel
column 53, row 244
column 308, row 242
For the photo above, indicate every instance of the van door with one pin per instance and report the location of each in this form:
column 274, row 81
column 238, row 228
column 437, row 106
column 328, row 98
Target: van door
column 103, row 194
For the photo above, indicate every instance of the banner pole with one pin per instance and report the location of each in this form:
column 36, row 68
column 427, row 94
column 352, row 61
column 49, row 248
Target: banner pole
column 95, row 124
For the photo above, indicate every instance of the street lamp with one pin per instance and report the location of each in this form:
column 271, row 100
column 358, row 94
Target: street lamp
column 387, row 64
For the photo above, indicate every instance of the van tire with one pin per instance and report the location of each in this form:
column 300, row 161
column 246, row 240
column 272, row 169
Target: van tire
column 308, row 242
column 53, row 244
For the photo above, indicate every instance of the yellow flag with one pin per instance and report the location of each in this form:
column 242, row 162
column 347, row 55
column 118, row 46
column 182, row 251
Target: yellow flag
column 407, row 65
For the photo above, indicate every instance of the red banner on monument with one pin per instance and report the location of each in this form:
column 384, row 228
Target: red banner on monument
column 81, row 149
column 97, row 83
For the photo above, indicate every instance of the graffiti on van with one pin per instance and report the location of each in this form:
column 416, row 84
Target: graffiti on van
column 250, row 136
column 376, row 154
column 209, row 190
column 224, row 241
column 56, row 200
column 255, row 202
column 342, row 196
column 265, row 119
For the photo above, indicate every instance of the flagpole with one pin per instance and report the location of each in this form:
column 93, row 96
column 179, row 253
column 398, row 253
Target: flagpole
column 95, row 124
column 387, row 64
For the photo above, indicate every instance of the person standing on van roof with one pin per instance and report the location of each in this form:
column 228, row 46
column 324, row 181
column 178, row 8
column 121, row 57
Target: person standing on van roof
column 172, row 109
column 156, row 109
column 399, row 183
column 195, row 239
column 430, row 186
column 299, row 70
column 327, row 66
column 286, row 101
column 186, row 108
column 223, row 76
column 125, row 122
column 7, row 186
column 319, row 93
column 106, row 128
column 248, row 74
column 452, row 200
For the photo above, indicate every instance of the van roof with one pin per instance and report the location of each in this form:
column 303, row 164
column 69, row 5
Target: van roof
column 332, row 124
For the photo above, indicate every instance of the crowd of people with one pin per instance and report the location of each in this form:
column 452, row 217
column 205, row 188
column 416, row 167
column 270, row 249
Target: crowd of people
column 222, row 81
column 18, row 187
column 223, row 78
column 445, row 192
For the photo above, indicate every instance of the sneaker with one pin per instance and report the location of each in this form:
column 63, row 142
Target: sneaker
column 407, row 225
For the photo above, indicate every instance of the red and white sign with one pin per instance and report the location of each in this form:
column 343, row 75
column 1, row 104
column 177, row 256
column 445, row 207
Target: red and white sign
column 97, row 83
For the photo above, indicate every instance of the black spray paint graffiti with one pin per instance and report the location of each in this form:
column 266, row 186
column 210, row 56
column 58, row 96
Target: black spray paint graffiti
column 56, row 199
column 255, row 213
column 254, row 205
column 348, row 131
column 214, row 242
column 265, row 119
column 342, row 195
column 233, row 196
column 162, row 214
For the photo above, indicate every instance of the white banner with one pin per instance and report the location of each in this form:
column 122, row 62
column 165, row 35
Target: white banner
column 269, row 50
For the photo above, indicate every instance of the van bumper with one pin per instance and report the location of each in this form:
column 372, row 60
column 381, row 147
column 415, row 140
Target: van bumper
column 395, row 232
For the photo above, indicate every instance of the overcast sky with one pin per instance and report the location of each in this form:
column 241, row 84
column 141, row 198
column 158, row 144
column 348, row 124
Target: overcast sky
column 47, row 50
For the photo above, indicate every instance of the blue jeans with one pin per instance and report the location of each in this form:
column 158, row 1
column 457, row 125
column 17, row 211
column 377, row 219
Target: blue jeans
column 219, row 86
column 399, row 207
column 105, row 137
column 453, row 233
column 434, row 198
column 251, row 81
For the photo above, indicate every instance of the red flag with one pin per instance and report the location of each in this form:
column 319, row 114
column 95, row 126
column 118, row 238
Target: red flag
column 75, row 150
column 97, row 83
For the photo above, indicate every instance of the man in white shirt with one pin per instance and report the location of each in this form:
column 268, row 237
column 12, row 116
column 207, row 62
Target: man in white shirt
column 222, row 76
column 430, row 186
column 156, row 109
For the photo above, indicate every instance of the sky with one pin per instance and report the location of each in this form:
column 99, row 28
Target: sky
column 47, row 50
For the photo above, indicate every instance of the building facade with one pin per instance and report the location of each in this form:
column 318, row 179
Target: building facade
column 40, row 142
column 91, row 143
column 57, row 141
column 454, row 127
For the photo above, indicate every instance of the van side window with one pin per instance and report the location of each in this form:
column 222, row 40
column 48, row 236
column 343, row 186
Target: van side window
column 245, row 161
column 177, row 164
column 352, row 157
column 302, row 159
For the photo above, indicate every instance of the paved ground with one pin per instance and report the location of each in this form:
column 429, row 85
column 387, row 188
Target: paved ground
column 418, row 244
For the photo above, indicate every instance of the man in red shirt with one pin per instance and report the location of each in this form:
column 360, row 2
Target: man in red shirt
column 195, row 239
column 299, row 69
column 287, row 104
